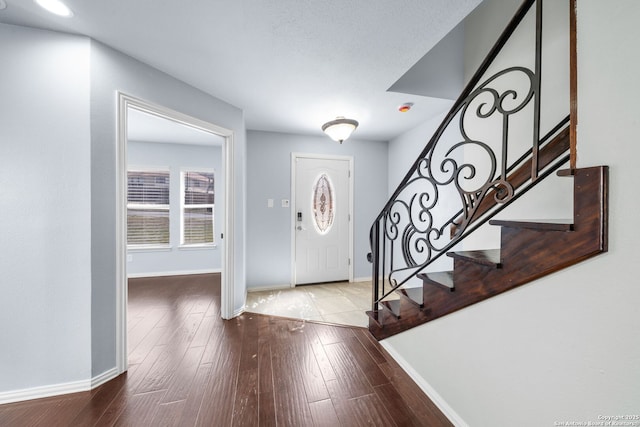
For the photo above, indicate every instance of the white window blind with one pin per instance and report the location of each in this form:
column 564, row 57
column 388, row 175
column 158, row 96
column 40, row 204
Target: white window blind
column 197, row 207
column 148, row 207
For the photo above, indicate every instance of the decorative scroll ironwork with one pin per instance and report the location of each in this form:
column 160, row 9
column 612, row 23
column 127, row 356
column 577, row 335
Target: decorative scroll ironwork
column 412, row 223
column 413, row 229
column 323, row 209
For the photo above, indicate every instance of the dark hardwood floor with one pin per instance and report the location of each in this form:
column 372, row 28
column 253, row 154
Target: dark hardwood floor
column 188, row 367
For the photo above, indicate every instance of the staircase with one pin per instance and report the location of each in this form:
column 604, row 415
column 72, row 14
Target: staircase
column 528, row 251
column 419, row 225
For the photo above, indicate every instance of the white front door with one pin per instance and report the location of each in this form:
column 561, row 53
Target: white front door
column 322, row 200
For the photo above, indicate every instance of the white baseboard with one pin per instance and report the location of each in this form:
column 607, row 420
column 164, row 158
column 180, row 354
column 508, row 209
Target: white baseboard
column 288, row 286
column 104, row 377
column 44, row 391
column 270, row 288
column 172, row 273
column 426, row 387
column 57, row 389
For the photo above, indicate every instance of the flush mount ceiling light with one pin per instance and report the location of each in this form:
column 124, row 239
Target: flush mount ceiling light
column 3, row 5
column 56, row 7
column 340, row 128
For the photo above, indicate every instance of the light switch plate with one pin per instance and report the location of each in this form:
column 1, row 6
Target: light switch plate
column 269, row 203
column 285, row 203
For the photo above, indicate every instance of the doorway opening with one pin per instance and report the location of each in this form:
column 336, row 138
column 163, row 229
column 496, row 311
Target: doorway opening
column 134, row 110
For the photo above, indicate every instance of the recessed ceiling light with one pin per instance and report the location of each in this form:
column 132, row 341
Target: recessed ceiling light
column 56, row 7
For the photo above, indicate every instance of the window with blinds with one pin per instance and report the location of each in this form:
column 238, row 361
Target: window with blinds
column 148, row 208
column 197, row 207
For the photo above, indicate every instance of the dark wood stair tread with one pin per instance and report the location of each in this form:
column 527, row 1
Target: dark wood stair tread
column 566, row 172
column 393, row 306
column 547, row 224
column 440, row 278
column 488, row 257
column 375, row 316
column 413, row 295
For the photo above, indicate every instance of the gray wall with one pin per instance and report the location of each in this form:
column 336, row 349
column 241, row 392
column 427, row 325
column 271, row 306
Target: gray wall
column 45, row 211
column 57, row 177
column 268, row 177
column 404, row 149
column 177, row 260
column 112, row 71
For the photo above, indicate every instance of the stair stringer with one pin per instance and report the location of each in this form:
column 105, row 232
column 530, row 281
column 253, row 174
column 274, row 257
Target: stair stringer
column 526, row 255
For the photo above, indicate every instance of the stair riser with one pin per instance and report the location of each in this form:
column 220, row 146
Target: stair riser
column 411, row 316
column 591, row 203
column 473, row 282
column 552, row 250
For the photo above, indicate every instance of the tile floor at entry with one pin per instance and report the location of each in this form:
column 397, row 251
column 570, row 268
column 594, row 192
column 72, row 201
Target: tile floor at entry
column 341, row 302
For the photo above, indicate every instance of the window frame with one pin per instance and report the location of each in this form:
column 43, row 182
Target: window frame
column 184, row 206
column 159, row 207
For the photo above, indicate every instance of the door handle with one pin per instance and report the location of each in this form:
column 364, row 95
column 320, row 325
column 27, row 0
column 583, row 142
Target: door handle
column 300, row 227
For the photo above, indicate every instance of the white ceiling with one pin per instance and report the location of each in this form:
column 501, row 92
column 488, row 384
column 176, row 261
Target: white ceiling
column 291, row 65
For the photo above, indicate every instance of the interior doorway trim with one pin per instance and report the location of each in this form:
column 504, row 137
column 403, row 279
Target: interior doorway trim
column 294, row 157
column 227, row 277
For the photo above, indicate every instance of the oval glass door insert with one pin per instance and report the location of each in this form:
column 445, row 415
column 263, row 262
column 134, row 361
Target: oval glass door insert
column 323, row 204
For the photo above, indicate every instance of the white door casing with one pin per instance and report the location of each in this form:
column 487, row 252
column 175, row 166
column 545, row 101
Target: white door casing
column 321, row 218
column 125, row 102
